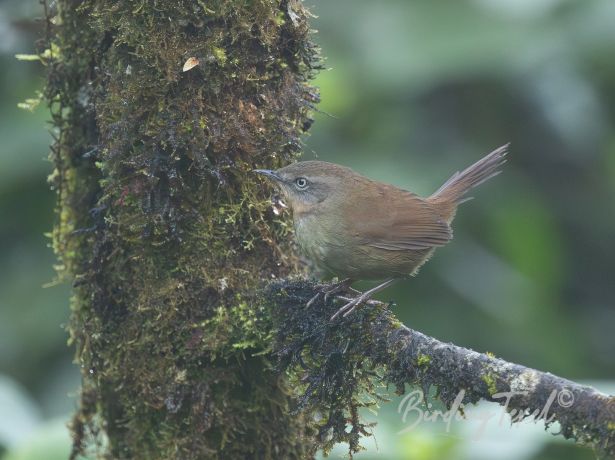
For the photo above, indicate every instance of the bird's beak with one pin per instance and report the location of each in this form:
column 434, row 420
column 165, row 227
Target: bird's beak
column 269, row 173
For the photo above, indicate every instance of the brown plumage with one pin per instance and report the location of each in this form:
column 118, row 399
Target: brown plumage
column 362, row 229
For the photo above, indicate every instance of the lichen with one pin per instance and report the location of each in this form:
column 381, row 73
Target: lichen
column 526, row 382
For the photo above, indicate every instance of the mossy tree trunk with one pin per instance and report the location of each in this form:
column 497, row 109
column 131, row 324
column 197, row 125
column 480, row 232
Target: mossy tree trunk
column 161, row 225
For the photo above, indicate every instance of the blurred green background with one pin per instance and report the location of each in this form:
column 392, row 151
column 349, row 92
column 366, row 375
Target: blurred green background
column 415, row 91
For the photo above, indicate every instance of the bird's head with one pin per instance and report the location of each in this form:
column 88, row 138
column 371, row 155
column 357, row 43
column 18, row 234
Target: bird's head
column 307, row 184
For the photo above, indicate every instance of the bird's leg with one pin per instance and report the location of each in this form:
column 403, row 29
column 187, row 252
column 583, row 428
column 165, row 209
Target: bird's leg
column 326, row 292
column 354, row 303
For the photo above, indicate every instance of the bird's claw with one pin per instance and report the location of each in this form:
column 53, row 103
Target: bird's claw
column 313, row 299
column 326, row 291
column 351, row 305
column 364, row 297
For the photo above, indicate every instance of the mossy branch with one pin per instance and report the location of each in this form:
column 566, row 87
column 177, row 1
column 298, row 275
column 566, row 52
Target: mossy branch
column 339, row 362
column 167, row 235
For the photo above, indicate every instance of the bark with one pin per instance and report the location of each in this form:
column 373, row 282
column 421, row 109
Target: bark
column 161, row 225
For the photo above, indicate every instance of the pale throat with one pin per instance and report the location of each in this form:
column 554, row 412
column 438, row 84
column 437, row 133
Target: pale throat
column 302, row 209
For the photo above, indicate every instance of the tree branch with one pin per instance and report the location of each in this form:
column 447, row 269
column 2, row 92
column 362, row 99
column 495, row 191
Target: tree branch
column 338, row 361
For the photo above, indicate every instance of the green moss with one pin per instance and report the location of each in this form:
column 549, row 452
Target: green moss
column 490, row 381
column 335, row 368
column 220, row 55
column 423, row 361
column 164, row 229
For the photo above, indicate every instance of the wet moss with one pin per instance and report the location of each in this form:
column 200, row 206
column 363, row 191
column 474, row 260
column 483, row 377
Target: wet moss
column 336, row 366
column 342, row 366
column 162, row 227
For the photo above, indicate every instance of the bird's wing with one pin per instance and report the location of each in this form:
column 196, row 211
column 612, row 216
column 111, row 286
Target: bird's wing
column 397, row 220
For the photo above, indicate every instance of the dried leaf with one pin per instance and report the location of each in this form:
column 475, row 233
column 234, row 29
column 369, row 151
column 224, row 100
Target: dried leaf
column 190, row 63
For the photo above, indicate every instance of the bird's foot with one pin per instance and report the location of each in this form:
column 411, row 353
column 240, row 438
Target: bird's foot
column 328, row 290
column 365, row 297
column 350, row 306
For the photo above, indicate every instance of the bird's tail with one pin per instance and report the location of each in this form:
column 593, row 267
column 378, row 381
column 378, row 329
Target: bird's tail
column 453, row 190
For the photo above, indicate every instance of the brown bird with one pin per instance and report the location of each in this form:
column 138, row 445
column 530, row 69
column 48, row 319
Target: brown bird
column 361, row 229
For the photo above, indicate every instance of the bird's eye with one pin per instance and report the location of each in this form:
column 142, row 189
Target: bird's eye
column 301, row 183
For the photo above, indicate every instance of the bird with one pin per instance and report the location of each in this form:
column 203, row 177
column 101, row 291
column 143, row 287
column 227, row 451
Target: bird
column 361, row 229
